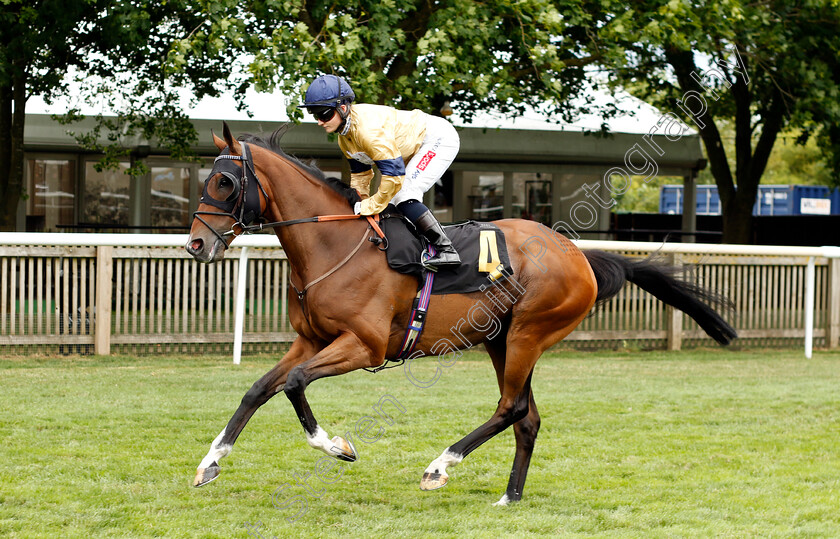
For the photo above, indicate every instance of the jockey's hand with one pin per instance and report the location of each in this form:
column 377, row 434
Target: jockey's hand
column 357, row 208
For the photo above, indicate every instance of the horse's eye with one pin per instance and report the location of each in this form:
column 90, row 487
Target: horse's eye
column 227, row 186
column 222, row 188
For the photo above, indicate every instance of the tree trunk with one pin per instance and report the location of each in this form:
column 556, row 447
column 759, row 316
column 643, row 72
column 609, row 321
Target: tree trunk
column 12, row 119
column 5, row 136
column 751, row 164
column 737, row 219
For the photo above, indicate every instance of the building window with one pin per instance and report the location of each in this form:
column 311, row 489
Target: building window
column 486, row 198
column 51, row 187
column 171, row 197
column 532, row 197
column 203, row 174
column 106, row 195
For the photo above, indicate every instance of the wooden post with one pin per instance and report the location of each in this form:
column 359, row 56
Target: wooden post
column 833, row 329
column 673, row 316
column 102, row 320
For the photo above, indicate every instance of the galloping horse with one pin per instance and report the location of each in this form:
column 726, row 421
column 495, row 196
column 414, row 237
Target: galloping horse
column 352, row 310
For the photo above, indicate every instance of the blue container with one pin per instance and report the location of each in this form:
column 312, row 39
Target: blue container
column 671, row 200
column 708, row 200
column 774, row 200
column 771, row 200
column 813, row 200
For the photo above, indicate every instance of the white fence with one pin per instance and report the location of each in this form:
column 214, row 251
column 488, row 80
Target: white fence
column 141, row 293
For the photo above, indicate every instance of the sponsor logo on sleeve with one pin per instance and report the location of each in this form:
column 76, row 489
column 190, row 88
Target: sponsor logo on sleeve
column 426, row 160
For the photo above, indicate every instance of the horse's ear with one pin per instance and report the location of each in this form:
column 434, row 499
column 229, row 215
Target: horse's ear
column 219, row 142
column 232, row 143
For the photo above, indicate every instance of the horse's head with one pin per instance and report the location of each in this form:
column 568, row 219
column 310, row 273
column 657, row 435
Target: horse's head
column 232, row 199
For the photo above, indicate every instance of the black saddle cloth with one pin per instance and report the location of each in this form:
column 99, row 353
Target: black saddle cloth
column 405, row 248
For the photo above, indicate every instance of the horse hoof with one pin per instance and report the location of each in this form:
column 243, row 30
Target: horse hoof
column 343, row 450
column 205, row 475
column 433, row 481
column 503, row 501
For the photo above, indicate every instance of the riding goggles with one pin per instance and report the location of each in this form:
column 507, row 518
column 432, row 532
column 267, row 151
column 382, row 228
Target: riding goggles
column 324, row 114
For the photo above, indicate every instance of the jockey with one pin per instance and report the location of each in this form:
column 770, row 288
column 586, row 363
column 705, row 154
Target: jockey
column 411, row 149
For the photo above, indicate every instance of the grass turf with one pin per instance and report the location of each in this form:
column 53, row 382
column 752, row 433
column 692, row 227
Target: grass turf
column 633, row 444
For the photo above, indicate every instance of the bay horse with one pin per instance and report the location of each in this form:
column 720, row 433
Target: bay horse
column 351, row 309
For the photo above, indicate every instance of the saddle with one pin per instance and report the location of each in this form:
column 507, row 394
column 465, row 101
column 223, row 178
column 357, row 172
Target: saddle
column 481, row 246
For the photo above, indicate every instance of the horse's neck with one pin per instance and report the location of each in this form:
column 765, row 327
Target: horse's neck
column 310, row 247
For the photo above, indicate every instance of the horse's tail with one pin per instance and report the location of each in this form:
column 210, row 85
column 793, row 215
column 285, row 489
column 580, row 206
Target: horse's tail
column 613, row 270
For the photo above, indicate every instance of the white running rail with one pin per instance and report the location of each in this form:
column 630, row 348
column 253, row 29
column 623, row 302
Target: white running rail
column 11, row 239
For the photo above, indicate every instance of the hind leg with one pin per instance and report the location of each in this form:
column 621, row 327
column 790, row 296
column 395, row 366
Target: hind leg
column 525, row 431
column 546, row 313
column 515, row 384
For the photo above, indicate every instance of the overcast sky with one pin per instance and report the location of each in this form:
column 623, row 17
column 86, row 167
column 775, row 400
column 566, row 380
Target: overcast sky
column 640, row 117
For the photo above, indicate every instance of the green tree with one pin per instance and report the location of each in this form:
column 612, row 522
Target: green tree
column 36, row 40
column 497, row 55
column 796, row 159
column 643, row 196
column 764, row 66
column 113, row 50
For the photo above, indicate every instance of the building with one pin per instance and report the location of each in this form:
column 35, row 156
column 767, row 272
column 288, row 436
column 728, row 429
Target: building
column 560, row 178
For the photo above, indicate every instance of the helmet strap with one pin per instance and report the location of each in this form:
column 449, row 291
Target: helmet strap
column 344, row 127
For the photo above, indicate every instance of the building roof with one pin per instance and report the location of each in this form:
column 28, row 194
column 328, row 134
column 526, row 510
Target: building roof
column 489, row 145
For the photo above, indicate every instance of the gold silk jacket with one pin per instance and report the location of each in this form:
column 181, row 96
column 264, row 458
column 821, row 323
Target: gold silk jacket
column 385, row 137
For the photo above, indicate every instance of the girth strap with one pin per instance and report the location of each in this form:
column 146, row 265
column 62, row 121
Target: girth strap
column 417, row 319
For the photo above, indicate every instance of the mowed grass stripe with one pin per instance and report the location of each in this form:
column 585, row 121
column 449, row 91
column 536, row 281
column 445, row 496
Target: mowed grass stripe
column 644, row 444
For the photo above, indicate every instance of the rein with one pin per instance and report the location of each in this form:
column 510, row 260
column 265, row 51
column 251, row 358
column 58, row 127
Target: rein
column 249, row 209
column 302, row 293
column 373, row 220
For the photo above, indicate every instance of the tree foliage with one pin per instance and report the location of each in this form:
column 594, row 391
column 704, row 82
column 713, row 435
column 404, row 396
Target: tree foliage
column 38, row 42
column 111, row 51
column 777, row 62
column 765, row 66
column 478, row 55
column 793, row 161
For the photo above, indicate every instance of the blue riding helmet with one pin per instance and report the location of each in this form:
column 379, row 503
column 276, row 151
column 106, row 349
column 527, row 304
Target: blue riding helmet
column 328, row 91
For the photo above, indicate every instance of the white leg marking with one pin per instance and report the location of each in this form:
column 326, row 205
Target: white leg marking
column 504, row 501
column 447, row 458
column 217, row 451
column 321, row 440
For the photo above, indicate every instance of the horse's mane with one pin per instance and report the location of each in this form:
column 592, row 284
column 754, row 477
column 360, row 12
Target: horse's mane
column 272, row 143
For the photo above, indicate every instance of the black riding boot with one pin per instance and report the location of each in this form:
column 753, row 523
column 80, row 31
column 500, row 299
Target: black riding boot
column 446, row 255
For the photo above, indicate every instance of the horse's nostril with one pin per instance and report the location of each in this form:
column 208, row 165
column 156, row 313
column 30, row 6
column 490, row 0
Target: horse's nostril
column 196, row 245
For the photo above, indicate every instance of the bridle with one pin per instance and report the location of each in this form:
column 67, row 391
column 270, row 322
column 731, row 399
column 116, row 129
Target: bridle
column 246, row 201
column 244, row 205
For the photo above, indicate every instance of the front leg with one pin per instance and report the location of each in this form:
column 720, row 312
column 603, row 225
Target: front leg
column 262, row 390
column 345, row 354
